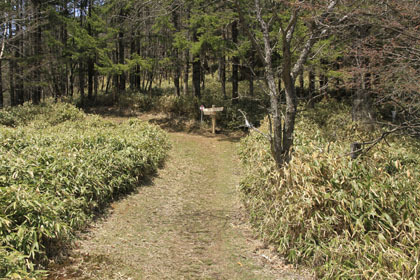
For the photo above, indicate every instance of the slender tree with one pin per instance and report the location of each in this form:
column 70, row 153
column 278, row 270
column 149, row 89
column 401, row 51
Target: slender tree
column 266, row 13
column 235, row 64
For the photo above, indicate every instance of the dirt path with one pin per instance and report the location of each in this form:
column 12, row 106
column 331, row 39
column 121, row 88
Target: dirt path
column 187, row 224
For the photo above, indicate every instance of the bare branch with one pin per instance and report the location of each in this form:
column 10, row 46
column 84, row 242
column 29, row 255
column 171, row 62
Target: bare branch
column 250, row 126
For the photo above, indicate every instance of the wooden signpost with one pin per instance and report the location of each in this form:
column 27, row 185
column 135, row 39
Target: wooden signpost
column 212, row 112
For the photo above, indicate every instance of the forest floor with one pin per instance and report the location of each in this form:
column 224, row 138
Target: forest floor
column 187, row 223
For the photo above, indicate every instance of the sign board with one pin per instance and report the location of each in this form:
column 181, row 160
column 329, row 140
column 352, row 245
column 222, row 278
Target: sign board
column 212, row 111
column 202, row 108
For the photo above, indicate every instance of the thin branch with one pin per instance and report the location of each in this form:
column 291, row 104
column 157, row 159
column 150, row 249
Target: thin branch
column 250, row 126
column 367, row 146
column 290, row 29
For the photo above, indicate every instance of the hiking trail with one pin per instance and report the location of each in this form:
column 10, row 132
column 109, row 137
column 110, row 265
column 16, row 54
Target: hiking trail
column 187, row 223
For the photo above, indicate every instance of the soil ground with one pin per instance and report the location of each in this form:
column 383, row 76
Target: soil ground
column 188, row 223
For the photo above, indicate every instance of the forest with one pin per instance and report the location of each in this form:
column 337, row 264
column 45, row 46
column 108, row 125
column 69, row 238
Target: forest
column 327, row 92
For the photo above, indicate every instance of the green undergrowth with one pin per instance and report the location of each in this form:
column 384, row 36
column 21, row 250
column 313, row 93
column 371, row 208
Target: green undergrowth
column 187, row 106
column 348, row 219
column 58, row 168
column 46, row 114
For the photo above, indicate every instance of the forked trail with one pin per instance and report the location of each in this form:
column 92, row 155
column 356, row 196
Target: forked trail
column 187, row 224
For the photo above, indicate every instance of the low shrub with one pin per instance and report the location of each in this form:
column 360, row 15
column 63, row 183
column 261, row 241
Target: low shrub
column 349, row 219
column 181, row 106
column 187, row 106
column 46, row 114
column 53, row 179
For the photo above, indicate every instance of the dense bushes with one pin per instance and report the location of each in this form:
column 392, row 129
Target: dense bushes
column 188, row 107
column 42, row 115
column 58, row 171
column 348, row 219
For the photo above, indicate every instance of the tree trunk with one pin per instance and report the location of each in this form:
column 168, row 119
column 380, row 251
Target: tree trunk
column 91, row 74
column 177, row 77
column 132, row 74
column 1, row 85
column 64, row 38
column 280, row 88
column 37, row 37
column 235, row 65
column 222, row 74
column 362, row 103
column 138, row 70
column 19, row 89
column 197, row 76
column 121, row 51
column 196, row 70
column 291, row 103
column 108, row 80
column 276, row 133
column 323, row 79
column 311, row 87
column 301, row 83
column 82, row 83
column 95, row 86
column 251, row 84
column 90, row 60
column 203, row 74
column 12, row 82
column 150, row 82
column 177, row 68
column 186, row 72
column 71, row 82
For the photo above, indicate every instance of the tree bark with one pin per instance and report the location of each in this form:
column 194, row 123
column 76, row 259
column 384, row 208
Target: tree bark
column 19, row 88
column 1, row 85
column 280, row 88
column 197, row 76
column 222, row 74
column 251, row 83
column 186, row 72
column 71, row 81
column 12, row 82
column 36, row 94
column 196, row 70
column 121, row 57
column 301, row 83
column 90, row 60
column 291, row 101
column 138, row 70
column 132, row 74
column 323, row 79
column 235, row 65
column 177, row 67
column 311, row 87
column 82, row 83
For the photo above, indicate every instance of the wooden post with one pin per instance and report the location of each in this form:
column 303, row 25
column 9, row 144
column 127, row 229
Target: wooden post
column 212, row 112
column 213, row 121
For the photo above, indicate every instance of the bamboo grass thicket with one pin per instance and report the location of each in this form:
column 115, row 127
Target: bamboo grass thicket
column 347, row 219
column 59, row 170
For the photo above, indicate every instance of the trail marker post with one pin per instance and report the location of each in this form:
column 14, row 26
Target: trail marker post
column 212, row 112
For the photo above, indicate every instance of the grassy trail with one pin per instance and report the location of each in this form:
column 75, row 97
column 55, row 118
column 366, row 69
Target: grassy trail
column 187, row 224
